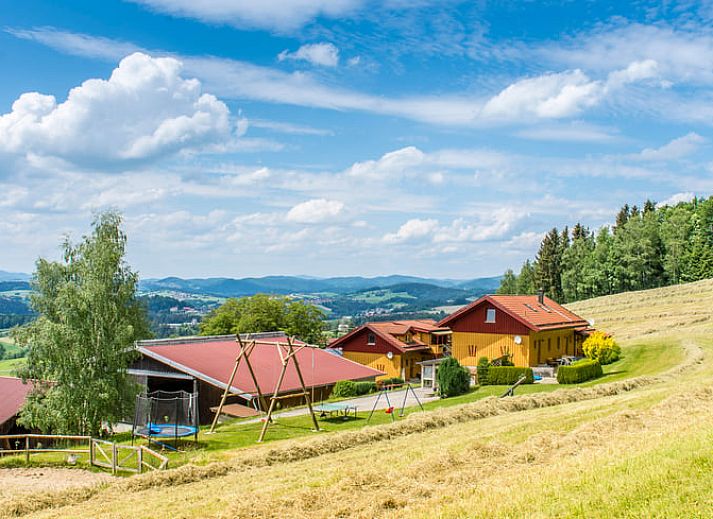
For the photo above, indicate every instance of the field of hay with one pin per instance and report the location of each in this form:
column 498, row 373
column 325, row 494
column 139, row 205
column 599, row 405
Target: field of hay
column 633, row 447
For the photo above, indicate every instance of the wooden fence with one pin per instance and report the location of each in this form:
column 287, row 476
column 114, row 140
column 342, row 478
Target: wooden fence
column 101, row 453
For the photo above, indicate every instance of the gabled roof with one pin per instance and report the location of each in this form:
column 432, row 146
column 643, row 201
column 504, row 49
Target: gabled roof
column 388, row 330
column 211, row 359
column 14, row 392
column 549, row 315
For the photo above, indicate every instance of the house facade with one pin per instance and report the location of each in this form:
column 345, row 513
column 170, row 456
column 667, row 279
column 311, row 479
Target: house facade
column 394, row 347
column 532, row 330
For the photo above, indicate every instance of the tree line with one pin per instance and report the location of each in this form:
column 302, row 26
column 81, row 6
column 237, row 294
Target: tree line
column 647, row 247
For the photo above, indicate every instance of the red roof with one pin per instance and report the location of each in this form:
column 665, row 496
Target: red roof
column 14, row 392
column 212, row 360
column 388, row 330
column 527, row 309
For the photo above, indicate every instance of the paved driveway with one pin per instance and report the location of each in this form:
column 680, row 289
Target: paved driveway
column 366, row 403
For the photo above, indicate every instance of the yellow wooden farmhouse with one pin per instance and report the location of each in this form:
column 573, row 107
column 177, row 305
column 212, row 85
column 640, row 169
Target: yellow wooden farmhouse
column 395, row 347
column 532, row 330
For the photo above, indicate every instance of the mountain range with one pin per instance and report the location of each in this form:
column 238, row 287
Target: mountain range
column 231, row 287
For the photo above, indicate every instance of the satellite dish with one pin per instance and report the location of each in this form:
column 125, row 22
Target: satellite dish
column 518, row 339
column 591, row 322
column 389, row 355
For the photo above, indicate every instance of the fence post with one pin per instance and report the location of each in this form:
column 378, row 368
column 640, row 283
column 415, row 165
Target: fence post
column 91, row 451
column 140, row 453
column 27, row 450
column 114, row 455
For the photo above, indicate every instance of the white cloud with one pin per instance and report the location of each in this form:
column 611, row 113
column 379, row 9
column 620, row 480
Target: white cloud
column 323, row 54
column 576, row 131
column 280, row 15
column 143, row 111
column 315, row 211
column 676, row 199
column 391, row 165
column 415, row 228
column 289, row 128
column 675, row 149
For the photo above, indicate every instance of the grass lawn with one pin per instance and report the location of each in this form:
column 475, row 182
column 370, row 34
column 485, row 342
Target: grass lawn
column 8, row 367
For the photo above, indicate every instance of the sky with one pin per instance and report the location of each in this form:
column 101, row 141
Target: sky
column 344, row 137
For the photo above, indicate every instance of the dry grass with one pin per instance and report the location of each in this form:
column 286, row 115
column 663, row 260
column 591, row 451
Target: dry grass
column 499, row 458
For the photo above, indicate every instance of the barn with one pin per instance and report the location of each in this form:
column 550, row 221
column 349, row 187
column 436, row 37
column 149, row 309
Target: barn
column 204, row 365
column 13, row 392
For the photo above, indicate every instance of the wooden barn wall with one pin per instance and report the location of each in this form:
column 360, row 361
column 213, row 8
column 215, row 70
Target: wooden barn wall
column 473, row 321
column 469, row 347
column 379, row 361
column 551, row 345
column 359, row 342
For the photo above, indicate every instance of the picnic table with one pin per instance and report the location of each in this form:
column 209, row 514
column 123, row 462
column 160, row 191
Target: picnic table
column 334, row 409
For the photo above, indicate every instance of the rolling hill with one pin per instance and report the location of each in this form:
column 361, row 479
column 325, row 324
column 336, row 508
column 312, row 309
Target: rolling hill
column 634, row 447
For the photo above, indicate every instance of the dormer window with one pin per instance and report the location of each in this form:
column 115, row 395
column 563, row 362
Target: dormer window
column 490, row 315
column 371, row 339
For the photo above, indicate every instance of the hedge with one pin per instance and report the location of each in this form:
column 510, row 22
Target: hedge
column 579, row 372
column 508, row 375
column 345, row 389
column 363, row 388
column 394, row 381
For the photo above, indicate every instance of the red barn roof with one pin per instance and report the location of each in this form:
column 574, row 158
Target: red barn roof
column 211, row 359
column 14, row 392
column 388, row 330
column 537, row 316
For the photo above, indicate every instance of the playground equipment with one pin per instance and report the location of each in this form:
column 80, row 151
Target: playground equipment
column 287, row 354
column 166, row 415
column 511, row 390
column 384, row 391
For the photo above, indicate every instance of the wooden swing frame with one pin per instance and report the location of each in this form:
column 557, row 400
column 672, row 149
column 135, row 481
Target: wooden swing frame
column 287, row 352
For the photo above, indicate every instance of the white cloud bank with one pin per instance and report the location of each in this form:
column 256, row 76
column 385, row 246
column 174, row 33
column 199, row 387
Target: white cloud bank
column 279, row 15
column 315, row 211
column 323, row 54
column 675, row 149
column 143, row 111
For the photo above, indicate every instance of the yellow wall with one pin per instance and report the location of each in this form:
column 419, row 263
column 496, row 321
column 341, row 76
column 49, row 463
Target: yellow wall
column 392, row 367
column 566, row 345
column 491, row 345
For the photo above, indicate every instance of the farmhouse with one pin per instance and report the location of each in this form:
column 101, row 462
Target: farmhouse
column 531, row 329
column 394, row 347
column 204, row 365
column 14, row 392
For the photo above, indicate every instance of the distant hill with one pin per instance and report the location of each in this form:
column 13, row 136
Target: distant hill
column 229, row 287
column 13, row 276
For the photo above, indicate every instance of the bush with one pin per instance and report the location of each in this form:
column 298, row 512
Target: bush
column 602, row 348
column 578, row 372
column 344, row 389
column 508, row 375
column 393, row 381
column 483, row 365
column 363, row 388
column 453, row 379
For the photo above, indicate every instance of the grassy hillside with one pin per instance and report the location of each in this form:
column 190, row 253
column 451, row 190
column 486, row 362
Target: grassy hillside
column 635, row 446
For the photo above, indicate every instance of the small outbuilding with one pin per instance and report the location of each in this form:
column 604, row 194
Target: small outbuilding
column 13, row 393
column 204, row 365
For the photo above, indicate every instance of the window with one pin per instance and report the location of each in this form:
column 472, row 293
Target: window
column 472, row 350
column 371, row 339
column 490, row 315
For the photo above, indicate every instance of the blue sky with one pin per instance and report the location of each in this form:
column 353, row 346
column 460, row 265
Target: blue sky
column 345, row 137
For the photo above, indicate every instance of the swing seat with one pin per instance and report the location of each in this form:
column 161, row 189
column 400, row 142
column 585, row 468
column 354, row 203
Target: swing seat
column 389, row 410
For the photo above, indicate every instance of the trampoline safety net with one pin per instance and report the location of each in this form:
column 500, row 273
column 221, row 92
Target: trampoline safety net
column 166, row 415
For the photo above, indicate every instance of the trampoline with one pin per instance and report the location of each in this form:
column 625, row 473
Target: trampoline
column 166, row 415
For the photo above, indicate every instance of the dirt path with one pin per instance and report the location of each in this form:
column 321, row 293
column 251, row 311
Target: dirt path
column 21, row 480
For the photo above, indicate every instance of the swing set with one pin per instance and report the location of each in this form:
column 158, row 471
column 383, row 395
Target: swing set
column 384, row 391
column 287, row 353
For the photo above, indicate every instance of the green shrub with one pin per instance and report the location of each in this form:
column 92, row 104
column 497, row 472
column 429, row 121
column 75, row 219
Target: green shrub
column 578, row 372
column 453, row 379
column 391, row 381
column 601, row 347
column 508, row 375
column 364, row 388
column 344, row 389
column 483, row 365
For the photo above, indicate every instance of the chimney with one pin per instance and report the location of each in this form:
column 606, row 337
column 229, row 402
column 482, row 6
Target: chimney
column 541, row 296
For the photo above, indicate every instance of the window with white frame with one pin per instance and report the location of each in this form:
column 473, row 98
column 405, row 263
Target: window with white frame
column 371, row 339
column 490, row 315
